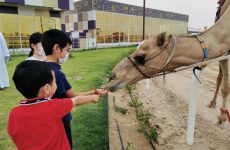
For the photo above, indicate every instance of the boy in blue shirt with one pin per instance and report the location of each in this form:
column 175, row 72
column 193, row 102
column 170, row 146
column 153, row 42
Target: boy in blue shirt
column 56, row 45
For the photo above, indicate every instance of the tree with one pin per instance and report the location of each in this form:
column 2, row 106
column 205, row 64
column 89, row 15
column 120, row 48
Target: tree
column 98, row 33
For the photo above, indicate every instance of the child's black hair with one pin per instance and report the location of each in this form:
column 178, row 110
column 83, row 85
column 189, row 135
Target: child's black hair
column 35, row 38
column 52, row 37
column 30, row 76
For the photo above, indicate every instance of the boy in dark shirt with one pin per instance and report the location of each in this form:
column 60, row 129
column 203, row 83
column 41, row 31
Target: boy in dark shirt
column 56, row 45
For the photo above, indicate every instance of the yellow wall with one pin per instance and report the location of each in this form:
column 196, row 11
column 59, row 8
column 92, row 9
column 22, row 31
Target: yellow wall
column 42, row 13
column 129, row 27
column 17, row 28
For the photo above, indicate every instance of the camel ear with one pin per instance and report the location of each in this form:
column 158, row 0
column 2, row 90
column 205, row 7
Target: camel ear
column 161, row 38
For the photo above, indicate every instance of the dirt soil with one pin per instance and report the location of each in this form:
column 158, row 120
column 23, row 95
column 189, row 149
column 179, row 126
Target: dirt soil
column 168, row 105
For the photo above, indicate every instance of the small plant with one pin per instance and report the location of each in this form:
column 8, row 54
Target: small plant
column 129, row 146
column 153, row 134
column 143, row 116
column 130, row 88
column 135, row 103
column 121, row 110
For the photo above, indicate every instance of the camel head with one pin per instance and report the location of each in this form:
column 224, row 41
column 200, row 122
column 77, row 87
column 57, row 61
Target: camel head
column 146, row 61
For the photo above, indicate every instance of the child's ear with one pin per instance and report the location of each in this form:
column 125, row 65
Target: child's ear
column 56, row 48
column 33, row 45
column 46, row 89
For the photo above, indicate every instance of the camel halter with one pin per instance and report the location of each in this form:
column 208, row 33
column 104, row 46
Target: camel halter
column 166, row 63
column 203, row 46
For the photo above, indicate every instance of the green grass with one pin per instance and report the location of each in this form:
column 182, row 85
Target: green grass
column 84, row 70
column 8, row 99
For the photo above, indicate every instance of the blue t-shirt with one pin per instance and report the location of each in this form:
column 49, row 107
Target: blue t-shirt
column 62, row 86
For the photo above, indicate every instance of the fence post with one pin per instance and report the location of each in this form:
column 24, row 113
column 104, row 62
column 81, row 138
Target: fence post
column 147, row 84
column 192, row 107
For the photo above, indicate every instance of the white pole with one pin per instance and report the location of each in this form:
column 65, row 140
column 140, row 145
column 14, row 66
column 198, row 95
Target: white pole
column 192, row 108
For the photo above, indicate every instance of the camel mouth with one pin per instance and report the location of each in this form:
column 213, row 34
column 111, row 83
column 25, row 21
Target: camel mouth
column 113, row 89
column 116, row 86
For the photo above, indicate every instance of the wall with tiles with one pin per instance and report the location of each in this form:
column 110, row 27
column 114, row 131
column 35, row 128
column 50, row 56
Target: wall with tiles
column 82, row 29
column 117, row 18
column 15, row 1
column 110, row 6
column 61, row 4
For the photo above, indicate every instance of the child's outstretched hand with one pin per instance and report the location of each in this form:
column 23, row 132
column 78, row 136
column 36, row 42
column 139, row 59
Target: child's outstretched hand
column 101, row 92
column 83, row 99
column 95, row 98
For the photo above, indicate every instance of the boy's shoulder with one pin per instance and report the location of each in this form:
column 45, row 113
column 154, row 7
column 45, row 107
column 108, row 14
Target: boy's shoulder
column 54, row 64
column 54, row 101
column 56, row 67
column 48, row 105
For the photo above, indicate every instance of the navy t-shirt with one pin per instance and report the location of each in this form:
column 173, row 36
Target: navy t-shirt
column 62, row 86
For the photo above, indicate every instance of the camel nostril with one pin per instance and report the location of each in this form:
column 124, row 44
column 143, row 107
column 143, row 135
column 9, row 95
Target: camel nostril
column 112, row 77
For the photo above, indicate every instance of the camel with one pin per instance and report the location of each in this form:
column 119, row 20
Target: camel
column 223, row 5
column 164, row 53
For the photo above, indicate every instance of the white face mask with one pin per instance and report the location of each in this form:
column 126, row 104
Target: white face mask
column 40, row 50
column 63, row 60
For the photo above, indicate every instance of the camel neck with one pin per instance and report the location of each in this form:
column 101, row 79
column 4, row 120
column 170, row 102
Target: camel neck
column 189, row 50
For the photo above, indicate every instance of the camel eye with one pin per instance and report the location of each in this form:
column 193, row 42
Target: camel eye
column 140, row 59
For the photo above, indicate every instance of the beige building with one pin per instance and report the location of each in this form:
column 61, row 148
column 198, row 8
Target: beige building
column 103, row 22
column 88, row 22
column 20, row 18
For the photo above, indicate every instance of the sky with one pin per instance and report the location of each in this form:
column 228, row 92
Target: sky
column 201, row 12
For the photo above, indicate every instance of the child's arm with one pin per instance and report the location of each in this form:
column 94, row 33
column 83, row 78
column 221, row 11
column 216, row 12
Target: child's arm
column 95, row 91
column 72, row 93
column 87, row 93
column 81, row 99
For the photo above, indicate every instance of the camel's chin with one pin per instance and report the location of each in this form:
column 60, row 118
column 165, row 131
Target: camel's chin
column 114, row 86
column 113, row 89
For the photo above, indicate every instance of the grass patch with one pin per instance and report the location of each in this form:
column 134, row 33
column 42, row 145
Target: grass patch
column 84, row 70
